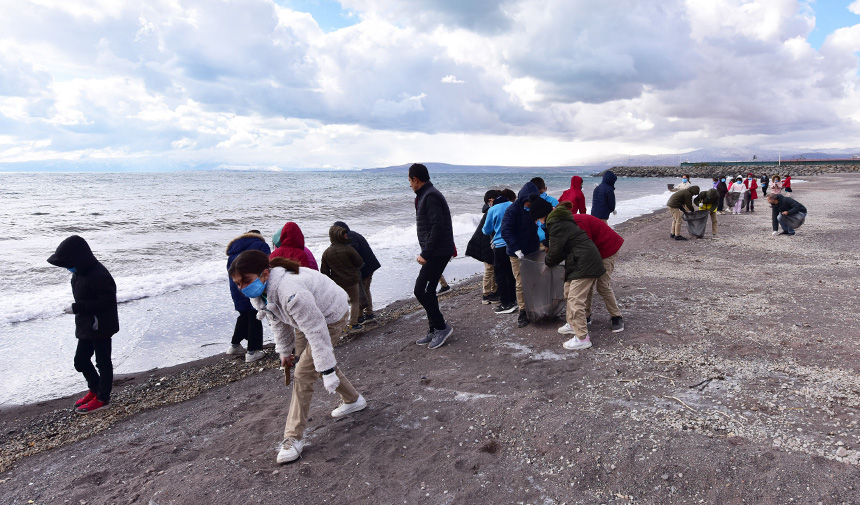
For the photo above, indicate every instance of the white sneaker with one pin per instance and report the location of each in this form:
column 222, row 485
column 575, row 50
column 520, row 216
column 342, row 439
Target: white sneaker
column 567, row 329
column 291, row 449
column 235, row 350
column 349, row 408
column 253, row 356
column 575, row 343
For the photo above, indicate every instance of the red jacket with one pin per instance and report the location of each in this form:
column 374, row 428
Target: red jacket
column 292, row 245
column 574, row 195
column 608, row 242
column 752, row 185
column 786, row 183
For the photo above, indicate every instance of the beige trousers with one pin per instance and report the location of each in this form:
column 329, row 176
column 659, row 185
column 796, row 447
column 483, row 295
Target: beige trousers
column 489, row 279
column 354, row 293
column 576, row 292
column 714, row 223
column 604, row 289
column 515, row 266
column 676, row 220
column 366, row 299
column 304, row 378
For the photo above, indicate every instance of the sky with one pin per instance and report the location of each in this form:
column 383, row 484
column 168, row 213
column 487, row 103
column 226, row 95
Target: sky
column 287, row 84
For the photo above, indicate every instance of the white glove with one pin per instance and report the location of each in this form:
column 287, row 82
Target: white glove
column 68, row 309
column 614, row 212
column 331, row 382
column 520, row 254
column 775, row 233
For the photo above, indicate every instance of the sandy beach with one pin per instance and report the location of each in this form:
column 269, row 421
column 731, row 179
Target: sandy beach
column 735, row 381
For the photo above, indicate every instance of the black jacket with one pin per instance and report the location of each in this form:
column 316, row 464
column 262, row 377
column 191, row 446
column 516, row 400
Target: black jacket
column 93, row 288
column 569, row 243
column 518, row 227
column 433, row 220
column 359, row 243
column 603, row 198
column 480, row 245
column 785, row 204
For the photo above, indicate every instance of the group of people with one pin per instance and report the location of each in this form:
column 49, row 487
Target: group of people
column 737, row 195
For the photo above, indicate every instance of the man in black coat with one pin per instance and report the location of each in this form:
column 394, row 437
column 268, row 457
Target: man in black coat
column 786, row 212
column 96, row 319
column 371, row 264
column 436, row 238
column 480, row 247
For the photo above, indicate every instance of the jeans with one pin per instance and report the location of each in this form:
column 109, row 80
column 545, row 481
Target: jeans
column 425, row 289
column 505, row 281
column 249, row 328
column 100, row 382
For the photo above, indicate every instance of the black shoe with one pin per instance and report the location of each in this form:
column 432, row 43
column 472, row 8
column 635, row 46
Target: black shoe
column 369, row 317
column 426, row 338
column 444, row 289
column 506, row 309
column 617, row 324
column 522, row 320
column 671, row 235
column 679, row 237
column 486, row 300
column 494, row 298
column 440, row 336
column 361, row 319
column 355, row 327
column 588, row 321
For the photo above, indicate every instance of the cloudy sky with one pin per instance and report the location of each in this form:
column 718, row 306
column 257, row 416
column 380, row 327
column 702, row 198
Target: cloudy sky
column 365, row 83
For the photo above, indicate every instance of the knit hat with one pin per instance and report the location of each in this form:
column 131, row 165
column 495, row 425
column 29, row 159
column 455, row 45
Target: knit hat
column 539, row 207
column 342, row 225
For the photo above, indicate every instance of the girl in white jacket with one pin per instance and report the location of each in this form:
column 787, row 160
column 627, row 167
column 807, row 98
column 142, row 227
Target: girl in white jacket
column 738, row 187
column 303, row 299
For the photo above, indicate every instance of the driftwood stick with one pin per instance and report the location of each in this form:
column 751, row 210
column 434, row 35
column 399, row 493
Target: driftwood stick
column 681, row 402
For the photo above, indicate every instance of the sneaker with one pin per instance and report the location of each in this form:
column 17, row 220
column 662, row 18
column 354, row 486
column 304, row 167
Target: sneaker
column 369, row 317
column 349, row 408
column 486, row 300
column 588, row 320
column 361, row 318
column 522, row 320
column 253, row 356
column 91, row 406
column 567, row 329
column 617, row 324
column 494, row 298
column 291, row 449
column 426, row 338
column 440, row 336
column 444, row 289
column 680, row 237
column 235, row 350
column 671, row 235
column 506, row 309
column 356, row 326
column 576, row 343
column 86, row 399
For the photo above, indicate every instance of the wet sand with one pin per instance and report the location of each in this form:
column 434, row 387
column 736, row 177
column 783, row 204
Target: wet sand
column 735, row 381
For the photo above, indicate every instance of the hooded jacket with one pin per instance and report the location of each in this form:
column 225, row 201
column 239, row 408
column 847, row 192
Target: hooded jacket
column 569, row 243
column 433, row 223
column 359, row 243
column 607, row 240
column 786, row 182
column 493, row 222
column 341, row 261
column 518, row 229
column 575, row 195
column 722, row 188
column 603, row 199
column 93, row 289
column 480, row 245
column 752, row 185
column 683, row 198
column 245, row 242
column 292, row 245
column 708, row 200
column 308, row 301
column 784, row 204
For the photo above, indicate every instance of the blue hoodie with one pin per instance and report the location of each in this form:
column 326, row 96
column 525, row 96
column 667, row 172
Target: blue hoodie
column 246, row 242
column 494, row 221
column 518, row 229
column 603, row 199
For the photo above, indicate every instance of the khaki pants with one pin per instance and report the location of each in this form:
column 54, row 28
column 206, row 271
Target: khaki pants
column 576, row 292
column 304, row 378
column 489, row 279
column 515, row 266
column 354, row 293
column 676, row 220
column 604, row 289
column 366, row 305
column 714, row 223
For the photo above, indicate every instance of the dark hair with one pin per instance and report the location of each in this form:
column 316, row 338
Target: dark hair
column 419, row 171
column 509, row 194
column 537, row 181
column 255, row 231
column 567, row 205
column 492, row 195
column 254, row 262
column 685, row 176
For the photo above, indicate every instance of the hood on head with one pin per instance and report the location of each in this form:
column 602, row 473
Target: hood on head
column 539, row 207
column 576, row 182
column 500, row 199
column 292, row 236
column 562, row 212
column 528, row 189
column 694, row 190
column 342, row 225
column 609, row 178
column 238, row 244
column 73, row 252
column 337, row 235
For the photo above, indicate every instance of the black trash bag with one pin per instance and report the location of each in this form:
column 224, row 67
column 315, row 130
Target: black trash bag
column 697, row 222
column 543, row 288
column 795, row 220
column 732, row 199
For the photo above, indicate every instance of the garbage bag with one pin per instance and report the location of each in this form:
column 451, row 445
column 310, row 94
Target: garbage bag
column 697, row 222
column 732, row 199
column 543, row 288
column 795, row 220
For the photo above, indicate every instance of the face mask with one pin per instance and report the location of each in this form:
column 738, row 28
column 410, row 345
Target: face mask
column 254, row 289
column 749, row 178
column 723, row 180
column 683, row 180
column 73, row 270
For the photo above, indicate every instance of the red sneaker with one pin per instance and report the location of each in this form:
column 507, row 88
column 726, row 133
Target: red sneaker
column 91, row 406
column 86, row 399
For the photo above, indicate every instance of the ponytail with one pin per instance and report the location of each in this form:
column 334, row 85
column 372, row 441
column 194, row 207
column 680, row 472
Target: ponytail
column 287, row 264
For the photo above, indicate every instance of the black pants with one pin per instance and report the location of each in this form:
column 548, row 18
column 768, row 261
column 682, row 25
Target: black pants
column 504, row 276
column 722, row 202
column 749, row 203
column 100, row 382
column 249, row 328
column 425, row 289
